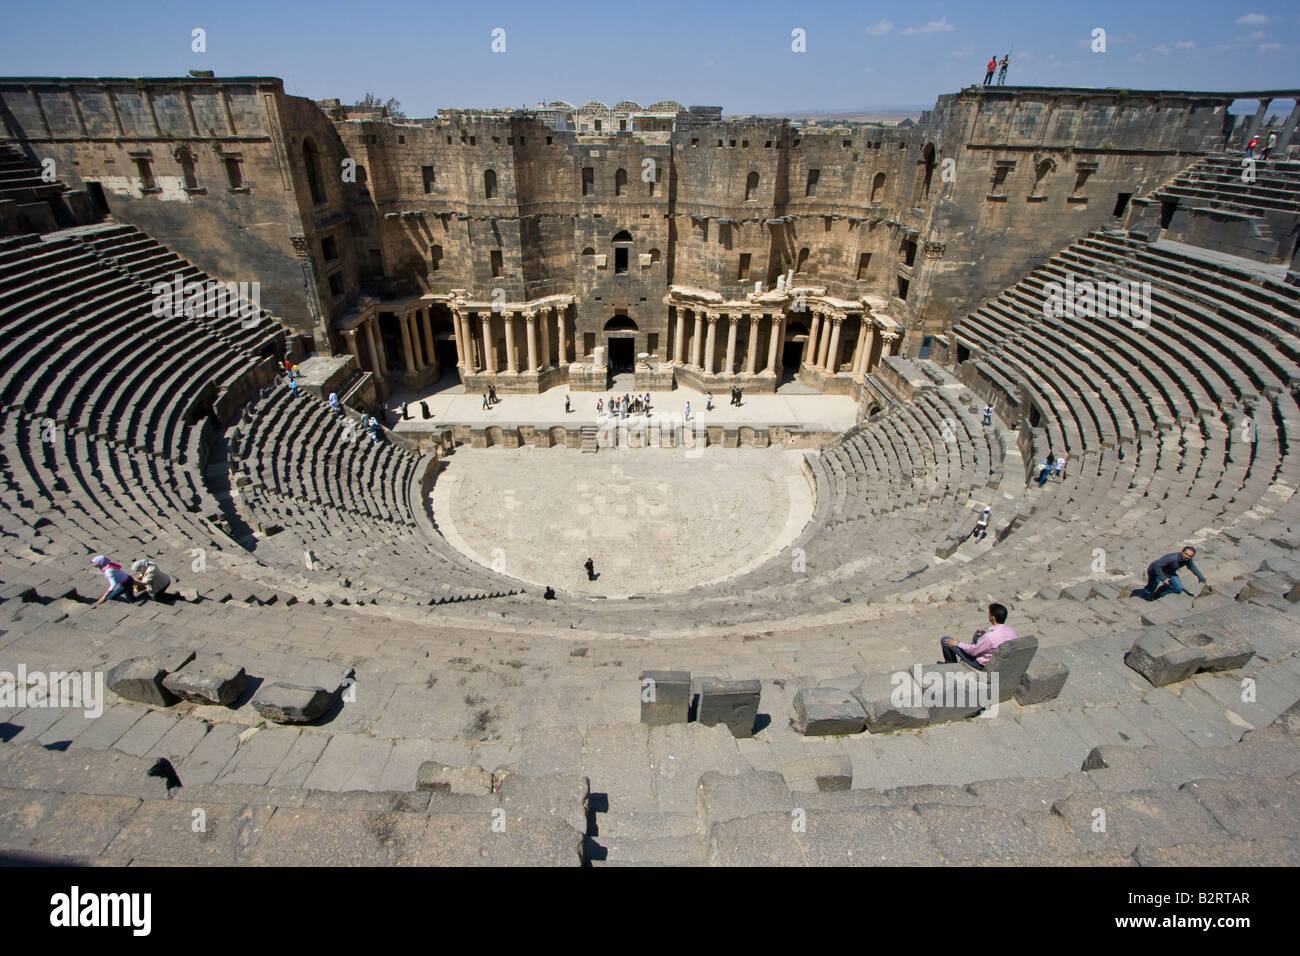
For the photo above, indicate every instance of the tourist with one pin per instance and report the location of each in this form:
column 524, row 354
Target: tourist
column 740, row 397
column 1002, row 70
column 993, row 65
column 591, row 569
column 1045, row 469
column 687, row 416
column 492, row 394
column 1163, row 574
column 1251, row 147
column 1058, row 470
column 567, row 409
column 487, row 407
column 981, row 524
column 550, row 593
column 424, row 409
column 986, row 640
column 293, row 387
column 405, row 417
column 296, row 373
column 1269, row 144
column 374, row 430
column 149, row 581
column 988, row 415
column 708, row 401
column 600, row 407
column 120, row 584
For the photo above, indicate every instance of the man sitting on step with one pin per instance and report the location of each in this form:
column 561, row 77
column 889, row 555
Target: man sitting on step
column 980, row 650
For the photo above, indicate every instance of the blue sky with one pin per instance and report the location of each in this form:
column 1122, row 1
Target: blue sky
column 734, row 55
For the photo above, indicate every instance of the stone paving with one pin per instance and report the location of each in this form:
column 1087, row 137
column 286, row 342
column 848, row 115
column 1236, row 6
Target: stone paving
column 654, row 520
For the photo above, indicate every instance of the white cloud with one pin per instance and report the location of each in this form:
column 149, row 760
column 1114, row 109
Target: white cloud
column 1165, row 49
column 880, row 28
column 934, row 26
column 1269, row 47
column 1254, row 20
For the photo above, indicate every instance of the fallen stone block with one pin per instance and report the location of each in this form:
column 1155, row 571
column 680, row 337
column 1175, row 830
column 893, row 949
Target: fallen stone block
column 1289, row 568
column 1041, row 681
column 1162, row 660
column 207, row 680
column 891, row 702
column 141, row 678
column 1223, row 651
column 1049, row 593
column 955, row 691
column 1077, row 592
column 293, row 703
column 826, row 711
column 440, row 778
column 730, row 702
column 665, row 697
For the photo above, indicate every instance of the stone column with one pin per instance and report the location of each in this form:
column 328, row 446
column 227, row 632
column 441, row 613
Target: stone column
column 810, row 350
column 857, row 348
column 733, row 322
column 697, row 340
column 546, row 338
column 751, row 350
column 403, row 322
column 350, row 336
column 489, row 350
column 833, row 354
column 1257, row 121
column 429, row 351
column 417, row 340
column 711, row 343
column 458, row 326
column 774, row 343
column 377, row 345
column 890, row 338
column 560, row 319
column 824, row 345
column 529, row 318
column 677, row 342
column 512, row 364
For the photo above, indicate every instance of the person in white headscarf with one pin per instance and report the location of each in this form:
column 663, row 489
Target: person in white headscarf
column 149, row 581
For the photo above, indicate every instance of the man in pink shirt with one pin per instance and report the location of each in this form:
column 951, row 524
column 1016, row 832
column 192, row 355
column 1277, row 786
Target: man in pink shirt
column 986, row 640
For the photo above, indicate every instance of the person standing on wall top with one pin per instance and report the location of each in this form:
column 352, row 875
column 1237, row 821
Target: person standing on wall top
column 993, row 65
column 1002, row 70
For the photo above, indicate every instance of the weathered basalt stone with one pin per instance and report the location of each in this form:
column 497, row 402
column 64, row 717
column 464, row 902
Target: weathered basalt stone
column 665, row 697
column 1162, row 660
column 207, row 680
column 440, row 778
column 1041, row 681
column 293, row 703
column 826, row 711
column 141, row 678
column 891, row 702
column 730, row 702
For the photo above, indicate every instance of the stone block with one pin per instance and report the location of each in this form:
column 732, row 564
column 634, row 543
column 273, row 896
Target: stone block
column 293, row 703
column 1041, row 681
column 1010, row 661
column 1077, row 592
column 730, row 702
column 1223, row 651
column 1162, row 660
column 1289, row 568
column 439, row 778
column 141, row 678
column 1049, row 593
column 825, row 711
column 671, row 697
column 954, row 691
column 891, row 702
column 207, row 680
column 722, row 797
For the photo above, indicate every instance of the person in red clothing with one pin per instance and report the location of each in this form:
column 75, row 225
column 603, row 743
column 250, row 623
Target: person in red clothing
column 986, row 640
column 993, row 65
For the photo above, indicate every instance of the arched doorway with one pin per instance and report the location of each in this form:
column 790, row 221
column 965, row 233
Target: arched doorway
column 796, row 338
column 620, row 339
column 444, row 342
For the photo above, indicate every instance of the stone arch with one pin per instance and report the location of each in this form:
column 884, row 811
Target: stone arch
column 878, row 188
column 620, row 323
column 558, row 436
column 751, row 187
column 620, row 182
column 490, row 184
column 494, row 435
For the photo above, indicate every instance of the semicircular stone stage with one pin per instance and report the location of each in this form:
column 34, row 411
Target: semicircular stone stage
column 653, row 520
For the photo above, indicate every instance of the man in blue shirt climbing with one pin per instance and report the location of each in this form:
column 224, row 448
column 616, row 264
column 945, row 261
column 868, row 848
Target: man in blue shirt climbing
column 1162, row 575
